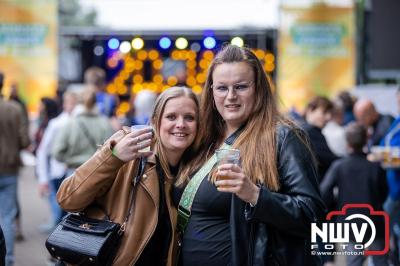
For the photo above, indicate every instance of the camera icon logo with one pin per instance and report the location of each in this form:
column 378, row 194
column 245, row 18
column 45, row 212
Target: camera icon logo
column 355, row 227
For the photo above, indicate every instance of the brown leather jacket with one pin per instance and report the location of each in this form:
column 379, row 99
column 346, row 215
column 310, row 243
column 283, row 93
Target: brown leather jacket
column 106, row 180
column 13, row 136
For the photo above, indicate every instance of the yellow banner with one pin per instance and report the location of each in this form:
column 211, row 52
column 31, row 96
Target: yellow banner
column 316, row 53
column 28, row 48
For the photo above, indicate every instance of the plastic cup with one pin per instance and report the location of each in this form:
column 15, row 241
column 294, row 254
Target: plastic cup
column 227, row 156
column 139, row 127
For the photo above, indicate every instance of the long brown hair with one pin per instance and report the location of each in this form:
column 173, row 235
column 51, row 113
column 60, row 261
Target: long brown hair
column 172, row 93
column 257, row 141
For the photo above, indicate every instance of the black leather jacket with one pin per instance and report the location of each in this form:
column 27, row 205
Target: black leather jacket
column 277, row 230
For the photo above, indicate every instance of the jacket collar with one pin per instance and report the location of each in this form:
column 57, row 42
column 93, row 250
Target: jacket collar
column 231, row 139
column 152, row 159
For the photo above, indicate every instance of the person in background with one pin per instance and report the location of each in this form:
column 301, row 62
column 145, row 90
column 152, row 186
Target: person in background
column 150, row 238
column 347, row 102
column 48, row 109
column 142, row 107
column 392, row 203
column 334, row 131
column 82, row 134
column 317, row 114
column 355, row 171
column 13, row 138
column 106, row 103
column 377, row 124
column 51, row 172
column 14, row 95
column 261, row 213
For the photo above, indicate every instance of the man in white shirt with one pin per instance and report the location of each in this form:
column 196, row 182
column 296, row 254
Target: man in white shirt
column 50, row 171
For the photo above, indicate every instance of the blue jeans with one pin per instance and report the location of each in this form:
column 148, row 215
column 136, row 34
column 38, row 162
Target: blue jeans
column 392, row 207
column 56, row 210
column 8, row 211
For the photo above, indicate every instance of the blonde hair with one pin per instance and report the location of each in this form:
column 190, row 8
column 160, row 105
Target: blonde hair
column 257, row 141
column 89, row 97
column 172, row 93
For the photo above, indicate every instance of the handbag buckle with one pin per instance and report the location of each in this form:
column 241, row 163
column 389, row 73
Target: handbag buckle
column 122, row 229
column 85, row 226
column 183, row 218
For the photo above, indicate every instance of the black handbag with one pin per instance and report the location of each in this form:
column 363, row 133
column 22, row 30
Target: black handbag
column 80, row 240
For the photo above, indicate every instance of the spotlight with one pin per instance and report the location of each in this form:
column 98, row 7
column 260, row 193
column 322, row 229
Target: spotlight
column 137, row 43
column 209, row 42
column 98, row 50
column 113, row 43
column 165, row 42
column 237, row 41
column 181, row 43
column 125, row 47
column 195, row 47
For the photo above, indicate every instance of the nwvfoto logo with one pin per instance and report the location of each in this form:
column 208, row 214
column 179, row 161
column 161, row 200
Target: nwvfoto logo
column 332, row 233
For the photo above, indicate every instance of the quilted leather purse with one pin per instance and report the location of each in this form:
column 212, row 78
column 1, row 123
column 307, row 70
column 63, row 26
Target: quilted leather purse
column 80, row 240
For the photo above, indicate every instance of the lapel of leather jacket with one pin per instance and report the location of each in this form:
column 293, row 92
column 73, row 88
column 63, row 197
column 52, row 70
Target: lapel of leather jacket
column 149, row 180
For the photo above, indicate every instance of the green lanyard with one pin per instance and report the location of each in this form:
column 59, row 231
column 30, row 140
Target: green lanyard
column 185, row 204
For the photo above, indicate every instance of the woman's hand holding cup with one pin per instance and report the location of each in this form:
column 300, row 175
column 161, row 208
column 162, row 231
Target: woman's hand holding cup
column 230, row 177
column 134, row 145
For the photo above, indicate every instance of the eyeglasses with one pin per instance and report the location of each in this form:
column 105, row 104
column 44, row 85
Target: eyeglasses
column 239, row 89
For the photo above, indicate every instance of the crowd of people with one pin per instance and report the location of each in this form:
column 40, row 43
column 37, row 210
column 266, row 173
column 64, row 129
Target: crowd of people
column 294, row 168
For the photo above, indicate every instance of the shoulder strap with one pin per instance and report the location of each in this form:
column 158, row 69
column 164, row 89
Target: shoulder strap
column 185, row 204
column 136, row 180
column 86, row 132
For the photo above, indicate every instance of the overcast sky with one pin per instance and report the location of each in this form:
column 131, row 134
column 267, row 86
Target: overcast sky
column 185, row 14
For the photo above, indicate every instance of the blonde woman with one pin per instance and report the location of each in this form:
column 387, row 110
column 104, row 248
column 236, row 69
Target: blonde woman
column 106, row 179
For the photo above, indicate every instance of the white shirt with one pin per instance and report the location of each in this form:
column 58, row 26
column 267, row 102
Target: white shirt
column 48, row 167
column 336, row 138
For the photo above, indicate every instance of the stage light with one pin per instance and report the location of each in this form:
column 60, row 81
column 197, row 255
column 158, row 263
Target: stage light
column 142, row 55
column 195, row 47
column 112, row 63
column 157, row 64
column 125, row 47
column 153, row 55
column 269, row 58
column 165, row 42
column 197, row 89
column 113, row 43
column 137, row 78
column 98, row 50
column 137, row 43
column 260, row 54
column 172, row 80
column 181, row 43
column 158, row 79
column 237, row 41
column 208, row 55
column 209, row 42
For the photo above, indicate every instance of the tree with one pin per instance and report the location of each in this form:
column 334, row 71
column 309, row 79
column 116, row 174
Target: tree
column 71, row 14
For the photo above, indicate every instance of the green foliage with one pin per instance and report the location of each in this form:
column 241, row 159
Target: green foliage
column 71, row 14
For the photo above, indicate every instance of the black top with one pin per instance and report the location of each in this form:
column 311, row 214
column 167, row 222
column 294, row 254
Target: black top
column 207, row 240
column 322, row 152
column 156, row 251
column 358, row 181
column 284, row 216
